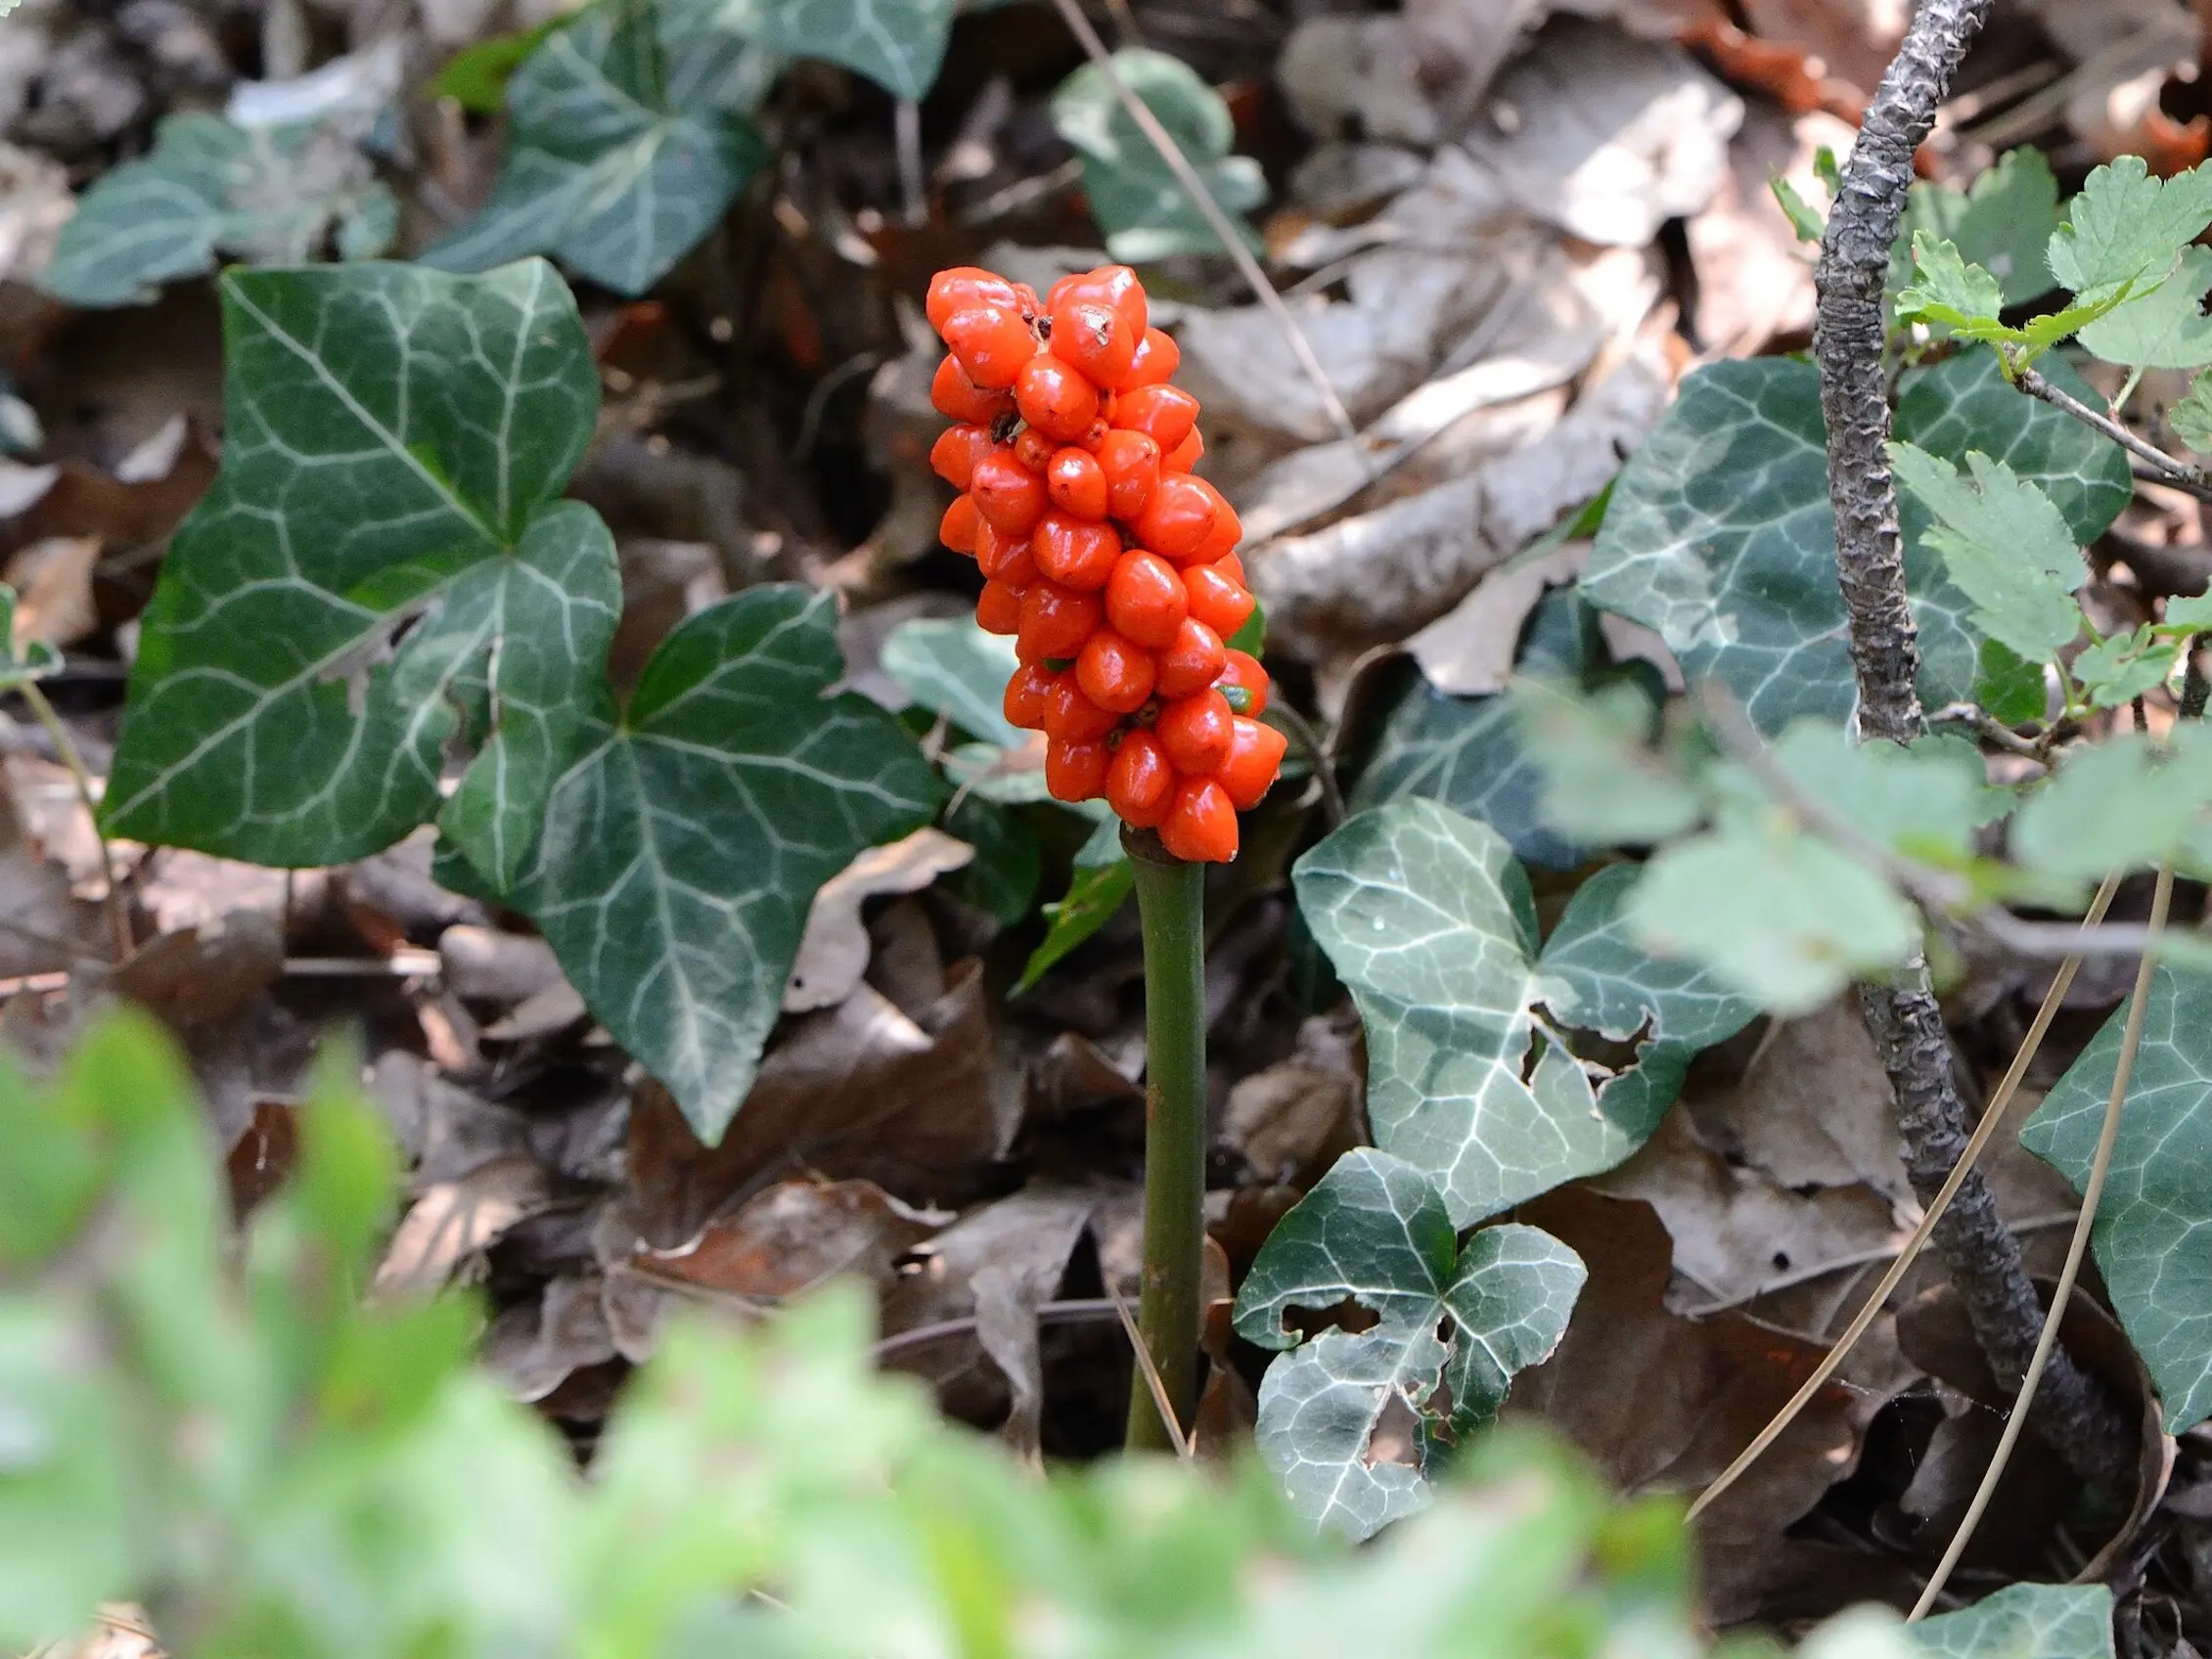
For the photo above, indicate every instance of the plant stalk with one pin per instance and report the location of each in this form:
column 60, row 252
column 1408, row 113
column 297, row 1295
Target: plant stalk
column 1171, row 907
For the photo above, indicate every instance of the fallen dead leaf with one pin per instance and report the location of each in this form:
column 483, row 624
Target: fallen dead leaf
column 1470, row 650
column 537, row 1345
column 53, row 582
column 1754, row 277
column 834, row 953
column 452, row 1221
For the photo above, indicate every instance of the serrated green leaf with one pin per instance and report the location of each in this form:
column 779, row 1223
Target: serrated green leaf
column 627, row 138
column 2023, row 1621
column 396, row 439
column 2117, row 670
column 1805, row 219
column 2189, row 614
column 268, row 195
column 1094, row 895
column 898, row 44
column 1430, row 923
column 2008, row 686
column 2162, row 327
column 1925, row 802
column 952, row 668
column 2121, row 803
column 684, row 844
column 1720, row 536
column 1963, row 299
column 2001, row 223
column 1603, row 784
column 1140, row 207
column 1775, row 913
column 2005, row 547
column 1375, row 1230
column 2126, row 226
column 2191, row 420
column 2153, row 1235
column 1609, row 984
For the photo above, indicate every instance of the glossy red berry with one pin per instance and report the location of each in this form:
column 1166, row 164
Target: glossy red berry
column 1077, row 484
column 963, row 287
column 1140, row 783
column 1055, row 399
column 1055, row 622
column 1130, row 462
column 1006, row 493
column 1024, row 704
column 1075, row 551
column 1195, row 731
column 1072, row 716
column 993, row 344
column 1007, row 557
column 1166, row 414
column 1192, row 662
column 1076, row 772
column 1243, row 673
column 958, row 528
column 998, row 609
column 1145, row 599
column 1094, row 338
column 1178, row 519
column 1201, row 826
column 1185, row 455
column 1115, row 672
column 1256, row 759
column 1112, row 284
column 954, row 455
column 953, row 393
column 1034, row 450
column 1219, row 603
column 1154, row 364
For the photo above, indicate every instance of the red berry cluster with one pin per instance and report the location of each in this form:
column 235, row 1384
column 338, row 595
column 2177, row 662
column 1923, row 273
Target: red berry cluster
column 1111, row 564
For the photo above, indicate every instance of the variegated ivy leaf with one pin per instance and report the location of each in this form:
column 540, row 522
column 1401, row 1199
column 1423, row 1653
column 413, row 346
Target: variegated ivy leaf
column 269, row 196
column 1720, row 535
column 627, row 138
column 898, row 44
column 2004, row 546
column 1430, row 925
column 381, row 568
column 1375, row 1230
column 1139, row 203
column 2022, row 1621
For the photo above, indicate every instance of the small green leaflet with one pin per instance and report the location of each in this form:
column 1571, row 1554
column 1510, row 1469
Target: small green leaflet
column 2153, row 1235
column 380, row 568
column 1964, row 299
column 2022, row 1621
column 2120, row 803
column 627, row 139
column 1431, row 924
column 2005, row 547
column 1140, row 208
column 2126, row 226
column 1375, row 1230
column 268, row 195
column 1805, row 219
column 684, row 844
column 2163, row 326
column 2008, row 687
column 1094, row 895
column 898, row 44
column 1603, row 786
column 2120, row 669
column 2001, row 223
column 2192, row 418
column 476, row 76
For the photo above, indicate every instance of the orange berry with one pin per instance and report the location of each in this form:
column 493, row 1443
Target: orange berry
column 1093, row 338
column 954, row 455
column 1196, row 731
column 1243, row 672
column 1167, row 412
column 1034, row 450
column 959, row 527
column 964, row 286
column 1256, row 759
column 1221, row 541
column 1071, row 716
column 1077, row 484
column 1024, row 704
column 1192, row 662
column 1025, row 301
column 1055, row 399
column 1221, row 603
column 1076, row 772
column 1178, row 519
column 1145, row 599
column 953, row 393
column 1140, row 783
column 1055, row 622
column 992, row 343
column 1004, row 557
column 1232, row 567
column 1154, row 364
column 998, row 609
column 1116, row 673
column 1185, row 455
column 1201, row 826
column 1131, row 463
column 1007, row 494
column 1075, row 553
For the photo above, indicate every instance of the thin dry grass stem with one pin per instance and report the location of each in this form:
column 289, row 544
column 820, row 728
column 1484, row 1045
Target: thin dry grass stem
column 1153, row 1381
column 1984, row 1132
column 1186, row 175
column 2131, row 1041
column 118, row 919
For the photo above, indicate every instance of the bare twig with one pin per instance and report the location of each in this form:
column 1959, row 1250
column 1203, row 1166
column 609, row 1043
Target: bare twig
column 1992, row 1116
column 118, row 916
column 1186, row 175
column 2196, row 690
column 2164, row 468
column 1989, row 729
column 1155, row 1384
column 907, row 135
column 2047, row 1341
column 1317, row 751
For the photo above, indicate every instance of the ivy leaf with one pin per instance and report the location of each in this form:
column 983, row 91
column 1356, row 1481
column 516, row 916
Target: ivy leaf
column 2022, row 1621
column 2164, row 328
column 2126, row 225
column 684, row 844
column 954, row 669
column 1002, row 877
column 1140, row 206
column 1376, row 1231
column 396, row 439
column 1094, row 895
column 898, row 44
column 2115, row 671
column 627, row 139
column 1964, row 298
column 2003, row 545
column 2191, row 420
column 2001, row 223
column 1720, row 536
column 269, row 196
column 1603, row 785
column 1430, row 925
column 2119, row 804
column 2153, row 1235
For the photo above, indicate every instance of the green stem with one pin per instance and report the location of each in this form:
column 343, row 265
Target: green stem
column 1171, row 906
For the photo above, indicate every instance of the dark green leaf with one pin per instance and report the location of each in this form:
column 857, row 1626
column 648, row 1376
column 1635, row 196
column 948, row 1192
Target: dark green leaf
column 2008, row 686
column 475, row 77
column 1002, row 878
column 898, row 44
column 1094, row 893
column 954, row 669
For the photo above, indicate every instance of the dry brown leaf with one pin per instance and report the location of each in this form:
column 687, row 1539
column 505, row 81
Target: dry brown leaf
column 1754, row 277
column 537, row 1346
column 34, row 205
column 53, row 582
column 834, row 953
column 494, row 965
column 793, row 1236
column 452, row 1221
column 1470, row 650
column 1853, row 40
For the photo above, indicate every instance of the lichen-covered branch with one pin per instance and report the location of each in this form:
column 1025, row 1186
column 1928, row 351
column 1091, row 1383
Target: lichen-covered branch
column 1983, row 1258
